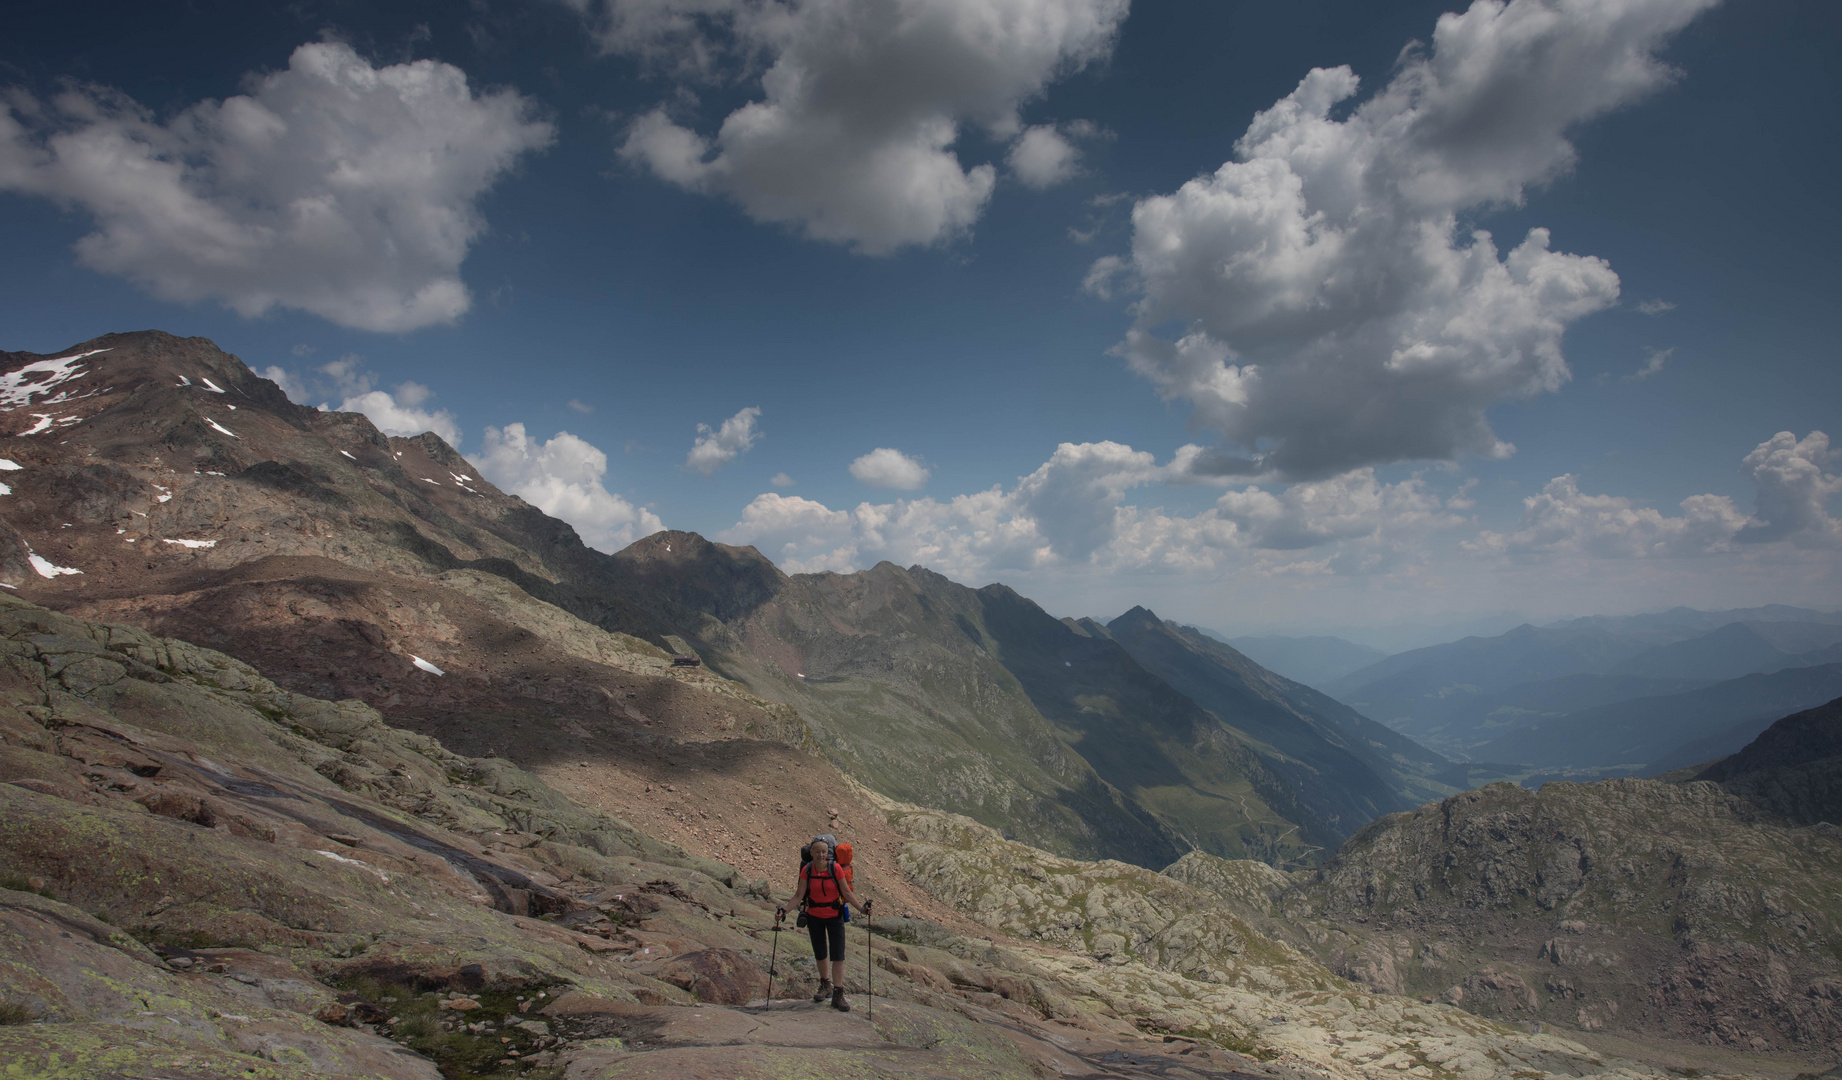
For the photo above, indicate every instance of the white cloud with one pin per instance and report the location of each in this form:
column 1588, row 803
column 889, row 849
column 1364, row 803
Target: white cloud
column 564, row 478
column 1565, row 520
column 1792, row 504
column 332, row 187
column 1072, row 513
column 782, row 480
column 1042, row 157
column 580, row 406
column 1351, row 506
column 398, row 415
column 884, row 467
column 1653, row 365
column 1333, row 314
column 394, row 413
column 1794, row 491
column 852, row 140
column 717, row 447
column 1654, row 307
column 289, row 382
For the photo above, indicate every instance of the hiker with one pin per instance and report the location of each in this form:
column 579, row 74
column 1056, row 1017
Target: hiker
column 822, row 893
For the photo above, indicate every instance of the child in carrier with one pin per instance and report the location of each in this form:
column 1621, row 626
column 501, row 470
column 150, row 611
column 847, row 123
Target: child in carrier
column 824, row 892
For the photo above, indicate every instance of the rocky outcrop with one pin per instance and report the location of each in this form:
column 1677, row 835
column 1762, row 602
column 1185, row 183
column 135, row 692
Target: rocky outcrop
column 1794, row 769
column 1168, row 955
column 1653, row 909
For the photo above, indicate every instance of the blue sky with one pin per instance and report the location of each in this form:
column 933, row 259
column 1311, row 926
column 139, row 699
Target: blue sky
column 984, row 252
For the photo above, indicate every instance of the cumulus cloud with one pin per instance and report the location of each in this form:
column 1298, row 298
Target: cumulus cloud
column 347, row 380
column 1566, row 520
column 1332, row 313
column 1073, row 512
column 331, row 187
column 1044, row 156
column 717, row 447
column 884, row 467
column 863, row 102
column 1793, row 493
column 781, row 479
column 564, row 478
column 397, row 414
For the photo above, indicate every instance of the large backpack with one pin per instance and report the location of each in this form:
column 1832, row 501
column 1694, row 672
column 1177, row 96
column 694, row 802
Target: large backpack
column 841, row 855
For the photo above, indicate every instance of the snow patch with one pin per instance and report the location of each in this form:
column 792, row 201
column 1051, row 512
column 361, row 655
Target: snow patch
column 20, row 387
column 425, row 665
column 4, row 585
column 192, row 543
column 221, row 428
column 211, row 386
column 463, row 481
column 348, row 455
column 9, row 465
column 45, row 567
column 44, row 424
column 426, row 480
column 5, row 490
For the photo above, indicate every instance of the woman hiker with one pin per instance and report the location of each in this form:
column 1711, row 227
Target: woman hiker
column 824, row 892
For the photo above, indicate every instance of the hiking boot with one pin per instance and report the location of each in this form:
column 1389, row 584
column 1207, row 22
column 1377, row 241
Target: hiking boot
column 837, row 1000
column 824, row 989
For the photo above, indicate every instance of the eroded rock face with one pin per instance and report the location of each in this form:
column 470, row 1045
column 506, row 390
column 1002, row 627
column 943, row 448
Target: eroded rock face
column 1623, row 905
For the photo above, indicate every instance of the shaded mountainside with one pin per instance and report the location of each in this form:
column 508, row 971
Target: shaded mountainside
column 1626, row 906
column 980, row 701
column 1650, row 729
column 1793, row 769
column 1347, row 768
column 185, row 494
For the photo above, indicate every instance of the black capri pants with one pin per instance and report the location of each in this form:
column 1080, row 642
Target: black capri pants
column 826, row 932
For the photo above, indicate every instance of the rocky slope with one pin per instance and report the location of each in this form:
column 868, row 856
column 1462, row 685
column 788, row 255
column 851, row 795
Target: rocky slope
column 1644, row 908
column 212, row 877
column 1793, row 769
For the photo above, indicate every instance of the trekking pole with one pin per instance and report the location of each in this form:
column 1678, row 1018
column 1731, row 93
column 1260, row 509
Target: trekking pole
column 774, row 956
column 869, row 953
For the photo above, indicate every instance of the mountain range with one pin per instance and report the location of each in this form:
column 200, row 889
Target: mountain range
column 1533, row 694
column 262, row 659
column 197, row 501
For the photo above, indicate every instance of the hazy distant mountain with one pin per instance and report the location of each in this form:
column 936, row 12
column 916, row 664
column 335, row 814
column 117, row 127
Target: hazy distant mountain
column 1442, row 695
column 1314, row 661
column 1461, row 695
column 1680, row 624
column 1346, row 767
column 1735, row 649
column 1653, row 729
